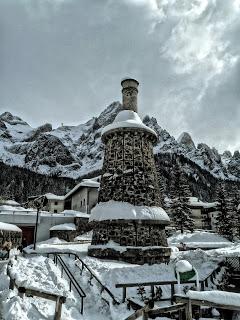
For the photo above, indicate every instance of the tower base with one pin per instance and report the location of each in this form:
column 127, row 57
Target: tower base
column 135, row 255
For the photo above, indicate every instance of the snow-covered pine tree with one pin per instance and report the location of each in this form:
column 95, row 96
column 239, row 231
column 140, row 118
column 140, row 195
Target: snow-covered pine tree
column 226, row 216
column 162, row 189
column 181, row 213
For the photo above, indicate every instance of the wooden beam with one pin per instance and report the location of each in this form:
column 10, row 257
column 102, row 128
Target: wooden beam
column 135, row 315
column 147, row 284
column 173, row 308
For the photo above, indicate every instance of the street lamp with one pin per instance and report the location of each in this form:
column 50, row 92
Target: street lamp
column 37, row 203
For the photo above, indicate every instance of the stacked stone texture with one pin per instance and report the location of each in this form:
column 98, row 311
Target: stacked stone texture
column 129, row 175
column 129, row 172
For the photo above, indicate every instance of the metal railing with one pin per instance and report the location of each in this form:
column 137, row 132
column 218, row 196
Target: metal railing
column 81, row 265
column 72, row 281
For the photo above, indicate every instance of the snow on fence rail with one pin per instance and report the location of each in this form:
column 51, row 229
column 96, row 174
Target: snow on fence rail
column 203, row 284
column 59, row 299
column 148, row 311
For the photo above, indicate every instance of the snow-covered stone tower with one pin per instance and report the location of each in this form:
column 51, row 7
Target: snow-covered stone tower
column 129, row 223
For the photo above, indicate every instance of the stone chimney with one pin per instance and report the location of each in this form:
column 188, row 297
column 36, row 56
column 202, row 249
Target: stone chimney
column 129, row 94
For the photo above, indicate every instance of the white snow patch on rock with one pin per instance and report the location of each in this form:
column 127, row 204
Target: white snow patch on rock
column 112, row 210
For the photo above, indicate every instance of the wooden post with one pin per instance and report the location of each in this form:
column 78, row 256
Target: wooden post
column 188, row 310
column 145, row 315
column 58, row 309
column 11, row 283
column 124, row 294
column 172, row 292
column 152, row 292
column 21, row 292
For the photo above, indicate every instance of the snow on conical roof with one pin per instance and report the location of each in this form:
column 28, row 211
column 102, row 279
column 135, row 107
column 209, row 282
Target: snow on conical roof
column 114, row 210
column 127, row 119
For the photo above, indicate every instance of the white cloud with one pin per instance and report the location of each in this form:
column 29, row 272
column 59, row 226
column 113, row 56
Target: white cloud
column 62, row 61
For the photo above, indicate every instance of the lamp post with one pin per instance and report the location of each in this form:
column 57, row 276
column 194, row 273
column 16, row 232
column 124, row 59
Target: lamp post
column 37, row 203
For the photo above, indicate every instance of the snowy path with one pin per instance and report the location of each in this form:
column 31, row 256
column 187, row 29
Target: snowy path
column 41, row 273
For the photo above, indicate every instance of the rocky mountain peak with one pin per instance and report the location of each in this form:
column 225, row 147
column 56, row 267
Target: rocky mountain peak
column 11, row 119
column 74, row 151
column 227, row 154
column 186, row 140
column 236, row 155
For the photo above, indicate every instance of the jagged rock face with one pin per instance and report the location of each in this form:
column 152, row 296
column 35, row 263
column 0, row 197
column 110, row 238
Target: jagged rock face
column 47, row 127
column 50, row 151
column 78, row 150
column 186, row 140
column 13, row 120
column 227, row 154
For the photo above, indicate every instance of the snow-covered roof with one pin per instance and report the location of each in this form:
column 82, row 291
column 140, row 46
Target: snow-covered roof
column 127, row 119
column 64, row 226
column 90, row 183
column 199, row 239
column 13, row 208
column 51, row 196
column 9, row 227
column 10, row 203
column 195, row 202
column 74, row 213
column 112, row 210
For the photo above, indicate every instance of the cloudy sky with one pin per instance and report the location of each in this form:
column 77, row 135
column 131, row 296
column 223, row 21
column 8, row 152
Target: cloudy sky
column 61, row 61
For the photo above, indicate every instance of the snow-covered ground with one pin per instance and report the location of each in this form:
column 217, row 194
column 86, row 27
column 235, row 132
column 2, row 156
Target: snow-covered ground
column 199, row 239
column 40, row 273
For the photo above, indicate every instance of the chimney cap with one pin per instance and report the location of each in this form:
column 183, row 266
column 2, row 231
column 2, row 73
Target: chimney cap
column 129, row 79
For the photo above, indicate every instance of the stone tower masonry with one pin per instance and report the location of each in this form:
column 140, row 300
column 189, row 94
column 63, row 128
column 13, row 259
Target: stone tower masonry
column 128, row 214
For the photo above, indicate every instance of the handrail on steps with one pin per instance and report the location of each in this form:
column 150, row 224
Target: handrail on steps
column 84, row 265
column 72, row 280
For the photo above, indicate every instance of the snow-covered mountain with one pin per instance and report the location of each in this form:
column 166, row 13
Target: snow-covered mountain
column 74, row 151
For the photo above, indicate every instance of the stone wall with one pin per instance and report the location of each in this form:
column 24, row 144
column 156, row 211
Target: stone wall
column 129, row 172
column 129, row 233
column 67, row 235
column 15, row 237
column 82, row 226
column 132, row 255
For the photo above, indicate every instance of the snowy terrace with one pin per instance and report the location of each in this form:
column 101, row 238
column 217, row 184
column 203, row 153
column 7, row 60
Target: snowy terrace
column 46, row 276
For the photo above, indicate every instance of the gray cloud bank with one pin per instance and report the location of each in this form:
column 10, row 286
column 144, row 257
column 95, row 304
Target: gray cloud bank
column 61, row 61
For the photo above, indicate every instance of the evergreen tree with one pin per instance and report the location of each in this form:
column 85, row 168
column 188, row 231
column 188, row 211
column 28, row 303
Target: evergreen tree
column 227, row 213
column 162, row 189
column 181, row 213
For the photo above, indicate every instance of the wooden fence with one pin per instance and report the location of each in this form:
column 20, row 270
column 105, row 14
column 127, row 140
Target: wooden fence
column 59, row 299
column 203, row 284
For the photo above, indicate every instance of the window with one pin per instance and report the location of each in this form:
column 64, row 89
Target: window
column 56, row 203
column 55, row 211
column 81, row 203
column 84, row 202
